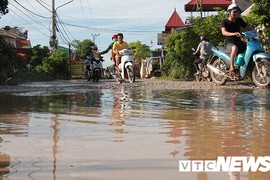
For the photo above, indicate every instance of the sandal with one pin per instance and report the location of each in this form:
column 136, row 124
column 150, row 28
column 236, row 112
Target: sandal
column 231, row 72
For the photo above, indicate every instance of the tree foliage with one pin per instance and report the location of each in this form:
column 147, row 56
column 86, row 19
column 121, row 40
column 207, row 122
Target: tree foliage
column 10, row 63
column 57, row 65
column 261, row 10
column 83, row 48
column 141, row 50
column 3, row 7
column 35, row 55
column 179, row 58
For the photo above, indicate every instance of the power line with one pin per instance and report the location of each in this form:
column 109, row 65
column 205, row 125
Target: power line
column 39, row 1
column 111, row 30
column 38, row 22
column 29, row 23
column 30, row 11
column 66, row 37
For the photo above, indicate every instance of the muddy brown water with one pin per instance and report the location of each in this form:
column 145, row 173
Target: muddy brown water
column 130, row 133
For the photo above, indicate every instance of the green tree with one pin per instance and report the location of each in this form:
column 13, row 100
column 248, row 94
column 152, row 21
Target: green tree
column 179, row 59
column 260, row 16
column 83, row 48
column 10, row 63
column 3, row 7
column 56, row 65
column 35, row 55
column 141, row 51
column 210, row 27
column 262, row 10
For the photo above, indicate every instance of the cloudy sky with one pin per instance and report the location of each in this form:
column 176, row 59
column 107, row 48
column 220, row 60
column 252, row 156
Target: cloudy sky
column 83, row 19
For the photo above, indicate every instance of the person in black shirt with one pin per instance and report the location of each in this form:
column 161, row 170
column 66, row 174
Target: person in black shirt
column 114, row 39
column 231, row 29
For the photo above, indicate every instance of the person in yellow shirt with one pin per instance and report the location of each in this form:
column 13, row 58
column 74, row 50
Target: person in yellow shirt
column 119, row 45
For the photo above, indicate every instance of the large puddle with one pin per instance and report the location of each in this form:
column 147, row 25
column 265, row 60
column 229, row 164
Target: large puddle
column 130, row 133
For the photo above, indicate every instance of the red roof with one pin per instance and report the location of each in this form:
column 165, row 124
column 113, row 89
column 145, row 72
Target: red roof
column 23, row 43
column 174, row 21
column 207, row 5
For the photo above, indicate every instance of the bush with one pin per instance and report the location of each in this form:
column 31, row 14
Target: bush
column 57, row 65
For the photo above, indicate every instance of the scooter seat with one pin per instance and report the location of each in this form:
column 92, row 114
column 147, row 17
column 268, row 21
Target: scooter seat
column 224, row 49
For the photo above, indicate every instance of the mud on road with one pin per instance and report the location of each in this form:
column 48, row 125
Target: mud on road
column 151, row 84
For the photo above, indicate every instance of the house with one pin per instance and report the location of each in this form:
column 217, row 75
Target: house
column 173, row 25
column 17, row 38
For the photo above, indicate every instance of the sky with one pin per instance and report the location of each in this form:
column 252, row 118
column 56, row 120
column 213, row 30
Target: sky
column 138, row 20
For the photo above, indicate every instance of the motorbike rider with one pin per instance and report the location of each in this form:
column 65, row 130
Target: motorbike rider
column 88, row 62
column 231, row 29
column 205, row 51
column 119, row 45
column 114, row 39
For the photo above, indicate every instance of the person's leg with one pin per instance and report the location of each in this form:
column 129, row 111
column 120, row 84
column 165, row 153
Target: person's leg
column 117, row 62
column 232, row 56
column 196, row 64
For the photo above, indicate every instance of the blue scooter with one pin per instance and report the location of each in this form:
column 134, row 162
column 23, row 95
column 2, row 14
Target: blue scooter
column 253, row 61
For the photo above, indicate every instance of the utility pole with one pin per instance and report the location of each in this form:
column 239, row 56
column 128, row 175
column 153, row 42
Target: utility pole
column 94, row 37
column 53, row 41
column 201, row 7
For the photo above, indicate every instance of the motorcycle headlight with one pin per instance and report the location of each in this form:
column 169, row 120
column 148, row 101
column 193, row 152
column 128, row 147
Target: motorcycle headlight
column 258, row 37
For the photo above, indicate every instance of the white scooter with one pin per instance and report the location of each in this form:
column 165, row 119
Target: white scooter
column 97, row 68
column 126, row 66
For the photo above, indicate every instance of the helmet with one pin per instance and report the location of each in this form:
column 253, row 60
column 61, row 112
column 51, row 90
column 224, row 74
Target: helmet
column 95, row 48
column 114, row 36
column 202, row 38
column 233, row 7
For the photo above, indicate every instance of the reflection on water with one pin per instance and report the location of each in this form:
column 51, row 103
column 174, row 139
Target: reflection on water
column 101, row 134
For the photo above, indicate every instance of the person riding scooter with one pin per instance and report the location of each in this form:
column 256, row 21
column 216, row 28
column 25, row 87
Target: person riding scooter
column 205, row 51
column 231, row 29
column 118, row 46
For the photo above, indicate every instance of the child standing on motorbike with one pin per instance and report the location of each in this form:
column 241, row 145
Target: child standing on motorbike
column 205, row 51
column 114, row 39
column 118, row 46
column 231, row 29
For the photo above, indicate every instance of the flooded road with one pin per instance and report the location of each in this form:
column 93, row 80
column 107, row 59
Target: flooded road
column 130, row 133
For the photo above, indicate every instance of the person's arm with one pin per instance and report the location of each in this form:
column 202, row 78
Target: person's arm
column 198, row 49
column 107, row 50
column 226, row 33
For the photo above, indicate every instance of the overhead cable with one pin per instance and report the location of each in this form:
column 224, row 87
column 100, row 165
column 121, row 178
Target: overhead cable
column 31, row 11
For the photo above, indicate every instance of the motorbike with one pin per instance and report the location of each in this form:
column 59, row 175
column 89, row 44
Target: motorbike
column 126, row 67
column 204, row 72
column 253, row 62
column 94, row 68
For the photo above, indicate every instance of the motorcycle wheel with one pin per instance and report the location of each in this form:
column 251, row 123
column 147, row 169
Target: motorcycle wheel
column 130, row 74
column 261, row 76
column 198, row 77
column 88, row 74
column 217, row 78
column 205, row 72
column 96, row 76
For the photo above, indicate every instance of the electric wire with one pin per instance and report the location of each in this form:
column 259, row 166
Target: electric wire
column 28, row 15
column 64, row 27
column 29, row 23
column 31, row 5
column 39, row 1
column 62, row 30
column 84, row 16
column 30, row 11
column 110, row 30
